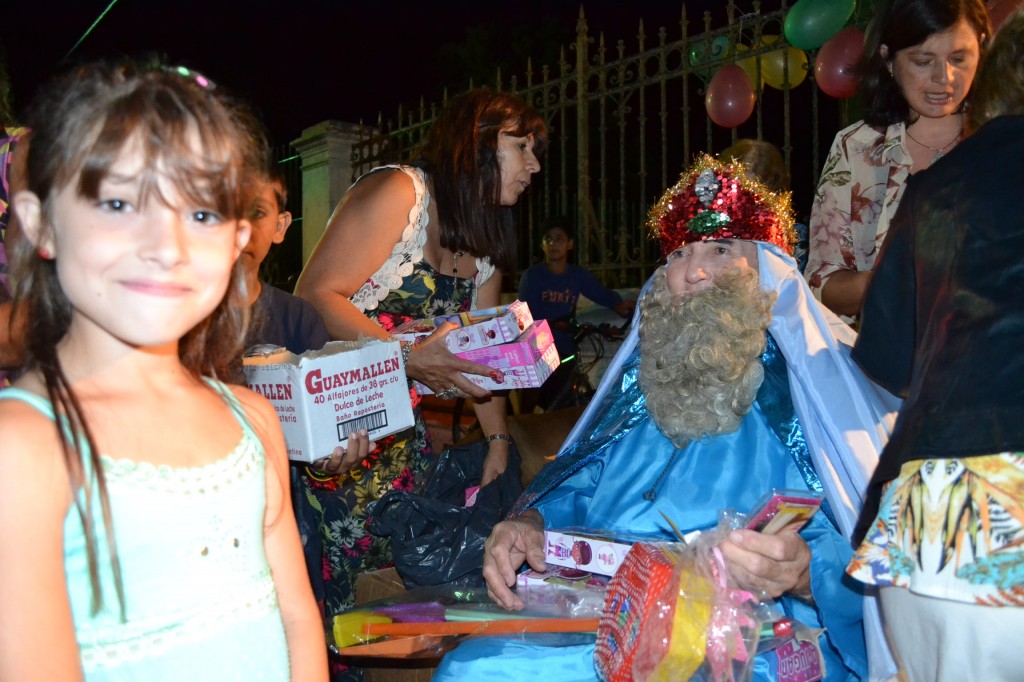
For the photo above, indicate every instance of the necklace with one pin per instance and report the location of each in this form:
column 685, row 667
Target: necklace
column 455, row 262
column 939, row 151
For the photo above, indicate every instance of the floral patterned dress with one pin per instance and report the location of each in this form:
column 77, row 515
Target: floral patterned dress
column 405, row 288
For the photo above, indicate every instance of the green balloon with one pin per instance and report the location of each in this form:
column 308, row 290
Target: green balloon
column 812, row 22
column 699, row 52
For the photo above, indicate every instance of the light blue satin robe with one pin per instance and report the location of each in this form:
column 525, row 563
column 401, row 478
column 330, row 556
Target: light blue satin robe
column 603, row 486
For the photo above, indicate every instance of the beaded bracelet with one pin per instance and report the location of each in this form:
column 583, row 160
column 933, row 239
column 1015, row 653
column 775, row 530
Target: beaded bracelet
column 498, row 436
column 406, row 347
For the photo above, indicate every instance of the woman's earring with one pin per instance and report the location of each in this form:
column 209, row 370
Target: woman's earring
column 44, row 253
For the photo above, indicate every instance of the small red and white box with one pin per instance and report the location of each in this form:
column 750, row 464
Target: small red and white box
column 477, row 328
column 596, row 551
column 526, row 362
column 321, row 396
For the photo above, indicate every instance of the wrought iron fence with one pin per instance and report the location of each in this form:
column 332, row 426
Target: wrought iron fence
column 624, row 122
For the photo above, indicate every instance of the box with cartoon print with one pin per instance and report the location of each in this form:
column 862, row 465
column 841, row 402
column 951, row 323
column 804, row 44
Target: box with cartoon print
column 596, row 551
column 477, row 328
column 526, row 362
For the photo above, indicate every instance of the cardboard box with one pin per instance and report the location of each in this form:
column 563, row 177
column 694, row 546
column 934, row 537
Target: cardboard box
column 321, row 396
column 477, row 328
column 380, row 584
column 596, row 551
column 526, row 362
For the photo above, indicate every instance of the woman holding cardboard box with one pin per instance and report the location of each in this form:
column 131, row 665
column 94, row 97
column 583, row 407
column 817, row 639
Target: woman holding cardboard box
column 409, row 242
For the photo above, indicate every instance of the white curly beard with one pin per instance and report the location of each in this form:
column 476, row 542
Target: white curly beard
column 700, row 354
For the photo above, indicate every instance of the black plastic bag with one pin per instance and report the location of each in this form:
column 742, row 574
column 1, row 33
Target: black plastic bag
column 435, row 538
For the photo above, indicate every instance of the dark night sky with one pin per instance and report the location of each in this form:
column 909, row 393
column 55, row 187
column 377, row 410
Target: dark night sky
column 304, row 61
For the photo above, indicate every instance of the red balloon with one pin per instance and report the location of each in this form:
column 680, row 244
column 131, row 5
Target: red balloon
column 730, row 97
column 836, row 63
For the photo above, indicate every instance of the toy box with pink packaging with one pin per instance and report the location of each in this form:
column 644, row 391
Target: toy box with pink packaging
column 477, row 328
column 525, row 362
column 588, row 549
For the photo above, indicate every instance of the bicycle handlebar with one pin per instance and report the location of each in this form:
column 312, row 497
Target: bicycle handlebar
column 606, row 330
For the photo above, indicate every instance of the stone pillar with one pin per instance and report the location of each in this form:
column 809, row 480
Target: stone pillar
column 326, row 151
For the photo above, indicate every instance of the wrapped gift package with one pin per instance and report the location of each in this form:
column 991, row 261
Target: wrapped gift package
column 648, row 575
column 674, row 612
column 477, row 328
column 322, row 396
column 526, row 362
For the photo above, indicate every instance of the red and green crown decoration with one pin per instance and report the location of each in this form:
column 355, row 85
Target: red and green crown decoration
column 714, row 200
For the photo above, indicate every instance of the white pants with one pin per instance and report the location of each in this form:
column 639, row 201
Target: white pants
column 940, row 640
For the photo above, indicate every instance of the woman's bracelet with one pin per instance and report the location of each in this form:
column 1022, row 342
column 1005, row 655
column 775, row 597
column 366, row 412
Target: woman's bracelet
column 406, row 349
column 498, row 436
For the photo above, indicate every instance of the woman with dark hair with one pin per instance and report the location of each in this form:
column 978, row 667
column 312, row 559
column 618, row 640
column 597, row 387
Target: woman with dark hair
column 920, row 57
column 944, row 519
column 416, row 241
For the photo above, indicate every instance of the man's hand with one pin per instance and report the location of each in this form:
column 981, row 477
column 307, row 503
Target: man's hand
column 776, row 564
column 510, row 544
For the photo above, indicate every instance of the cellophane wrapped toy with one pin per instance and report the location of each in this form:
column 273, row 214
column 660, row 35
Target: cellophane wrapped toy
column 671, row 613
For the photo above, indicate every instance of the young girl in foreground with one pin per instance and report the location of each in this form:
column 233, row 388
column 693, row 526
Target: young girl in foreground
column 146, row 531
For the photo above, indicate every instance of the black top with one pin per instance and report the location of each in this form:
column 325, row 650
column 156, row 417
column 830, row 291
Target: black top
column 281, row 319
column 943, row 320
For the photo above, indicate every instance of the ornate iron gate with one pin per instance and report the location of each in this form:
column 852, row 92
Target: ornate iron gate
column 624, row 123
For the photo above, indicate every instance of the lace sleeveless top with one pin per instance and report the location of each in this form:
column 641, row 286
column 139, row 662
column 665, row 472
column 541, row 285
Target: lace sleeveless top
column 409, row 249
column 200, row 602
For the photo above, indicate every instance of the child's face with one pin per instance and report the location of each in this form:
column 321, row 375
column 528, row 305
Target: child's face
column 269, row 225
column 141, row 270
column 556, row 244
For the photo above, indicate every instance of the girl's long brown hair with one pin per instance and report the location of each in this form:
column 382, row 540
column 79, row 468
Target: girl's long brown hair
column 79, row 125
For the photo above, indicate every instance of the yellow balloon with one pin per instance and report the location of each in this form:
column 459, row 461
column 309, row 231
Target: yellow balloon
column 774, row 63
column 749, row 65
